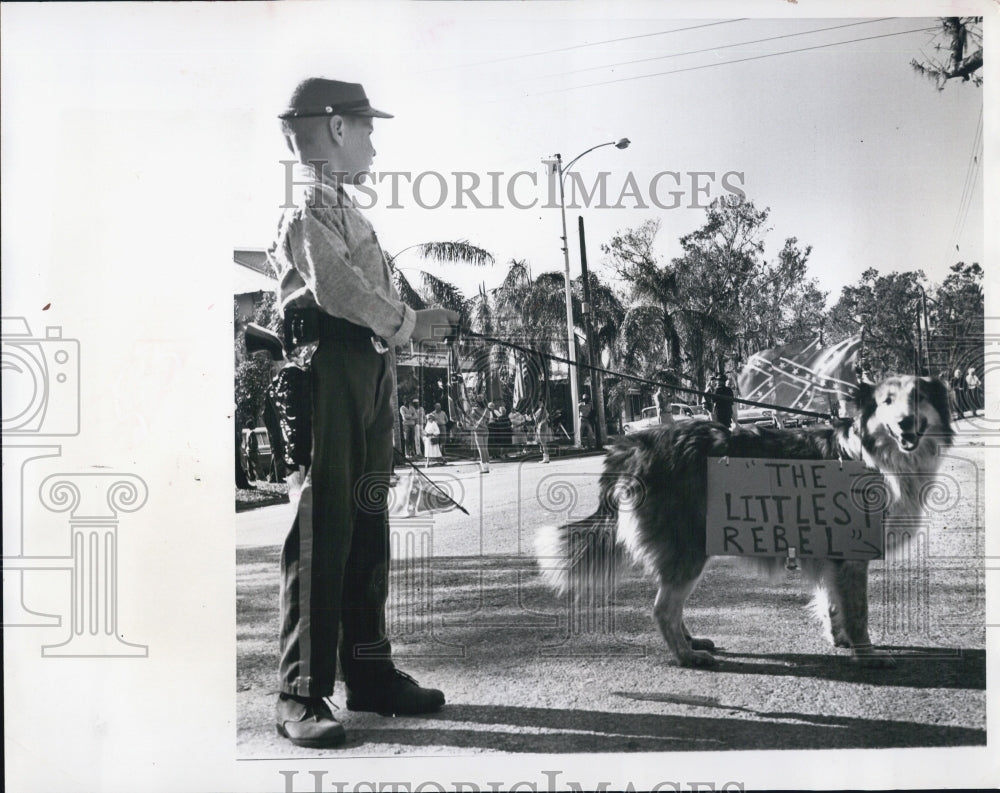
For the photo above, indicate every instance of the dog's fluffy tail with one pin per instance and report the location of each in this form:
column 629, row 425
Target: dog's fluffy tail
column 579, row 556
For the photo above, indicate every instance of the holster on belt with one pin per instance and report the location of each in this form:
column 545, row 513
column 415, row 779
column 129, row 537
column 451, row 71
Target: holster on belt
column 291, row 394
column 291, row 389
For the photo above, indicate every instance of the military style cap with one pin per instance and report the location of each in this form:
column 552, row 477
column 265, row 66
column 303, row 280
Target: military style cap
column 321, row 97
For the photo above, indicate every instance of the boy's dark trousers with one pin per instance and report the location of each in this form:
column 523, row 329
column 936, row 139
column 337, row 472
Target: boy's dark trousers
column 335, row 561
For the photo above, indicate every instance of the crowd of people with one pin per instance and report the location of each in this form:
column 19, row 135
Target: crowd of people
column 966, row 391
column 491, row 430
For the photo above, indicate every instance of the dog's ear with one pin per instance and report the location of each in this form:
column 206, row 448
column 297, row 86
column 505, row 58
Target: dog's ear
column 936, row 392
column 862, row 397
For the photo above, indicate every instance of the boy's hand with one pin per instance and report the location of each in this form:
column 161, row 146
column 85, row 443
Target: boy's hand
column 434, row 324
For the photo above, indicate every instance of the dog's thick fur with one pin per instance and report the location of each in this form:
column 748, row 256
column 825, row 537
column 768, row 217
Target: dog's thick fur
column 653, row 502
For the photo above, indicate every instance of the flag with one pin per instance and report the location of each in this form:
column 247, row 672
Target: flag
column 803, row 376
column 414, row 495
column 528, row 379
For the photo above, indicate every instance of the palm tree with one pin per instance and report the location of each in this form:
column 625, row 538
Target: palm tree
column 436, row 291
column 532, row 311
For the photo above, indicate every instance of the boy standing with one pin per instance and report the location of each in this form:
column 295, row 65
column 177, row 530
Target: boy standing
column 335, row 290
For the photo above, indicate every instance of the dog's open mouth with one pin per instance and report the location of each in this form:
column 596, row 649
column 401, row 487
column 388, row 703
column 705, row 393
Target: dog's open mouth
column 909, row 439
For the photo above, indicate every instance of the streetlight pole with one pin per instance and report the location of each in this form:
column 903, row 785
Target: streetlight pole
column 574, row 388
column 596, row 388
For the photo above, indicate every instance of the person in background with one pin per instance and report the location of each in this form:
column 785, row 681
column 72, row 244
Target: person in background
column 958, row 392
column 432, row 441
column 492, row 414
column 663, row 406
column 442, row 421
column 420, row 418
column 972, row 389
column 585, row 412
column 543, row 433
column 503, row 431
column 408, row 413
column 723, row 399
column 477, row 418
column 253, row 448
column 518, row 437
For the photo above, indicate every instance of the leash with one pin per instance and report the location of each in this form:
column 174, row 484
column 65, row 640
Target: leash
column 635, row 378
column 400, row 457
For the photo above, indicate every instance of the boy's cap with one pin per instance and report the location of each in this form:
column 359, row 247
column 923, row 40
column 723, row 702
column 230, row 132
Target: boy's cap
column 318, row 96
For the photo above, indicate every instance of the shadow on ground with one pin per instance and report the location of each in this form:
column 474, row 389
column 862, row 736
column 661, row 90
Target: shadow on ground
column 546, row 730
column 489, row 619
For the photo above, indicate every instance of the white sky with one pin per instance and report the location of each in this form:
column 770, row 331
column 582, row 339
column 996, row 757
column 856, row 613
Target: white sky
column 852, row 151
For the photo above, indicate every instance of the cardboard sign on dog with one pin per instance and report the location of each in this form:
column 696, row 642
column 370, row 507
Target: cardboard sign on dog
column 820, row 508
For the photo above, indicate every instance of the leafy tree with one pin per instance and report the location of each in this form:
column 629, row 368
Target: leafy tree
column 719, row 302
column 253, row 375
column 885, row 308
column 956, row 319
column 654, row 308
column 960, row 41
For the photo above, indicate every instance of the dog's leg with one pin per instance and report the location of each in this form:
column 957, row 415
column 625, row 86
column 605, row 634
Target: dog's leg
column 668, row 609
column 697, row 644
column 846, row 585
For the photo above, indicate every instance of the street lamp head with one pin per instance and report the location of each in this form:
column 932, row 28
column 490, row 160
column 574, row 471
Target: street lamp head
column 623, row 143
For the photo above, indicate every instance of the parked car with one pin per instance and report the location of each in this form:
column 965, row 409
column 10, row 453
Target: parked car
column 795, row 419
column 262, row 468
column 760, row 417
column 678, row 412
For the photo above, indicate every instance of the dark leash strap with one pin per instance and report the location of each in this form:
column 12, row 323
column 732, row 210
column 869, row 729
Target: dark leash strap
column 529, row 351
column 400, row 457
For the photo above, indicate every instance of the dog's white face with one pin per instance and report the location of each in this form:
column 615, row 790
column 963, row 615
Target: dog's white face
column 908, row 409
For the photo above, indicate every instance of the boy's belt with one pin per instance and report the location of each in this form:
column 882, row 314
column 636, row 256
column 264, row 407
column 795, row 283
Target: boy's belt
column 306, row 325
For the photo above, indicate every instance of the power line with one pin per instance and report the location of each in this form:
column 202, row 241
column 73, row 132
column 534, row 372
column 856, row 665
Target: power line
column 716, row 48
column 591, row 44
column 738, row 60
column 968, row 188
column 971, row 173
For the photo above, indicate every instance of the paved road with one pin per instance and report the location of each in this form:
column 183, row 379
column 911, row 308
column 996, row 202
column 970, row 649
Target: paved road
column 469, row 615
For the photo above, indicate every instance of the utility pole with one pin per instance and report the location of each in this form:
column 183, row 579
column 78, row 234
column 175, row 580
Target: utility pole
column 596, row 385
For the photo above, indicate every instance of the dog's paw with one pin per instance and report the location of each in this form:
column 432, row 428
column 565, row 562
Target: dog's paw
column 698, row 659
column 702, row 644
column 873, row 659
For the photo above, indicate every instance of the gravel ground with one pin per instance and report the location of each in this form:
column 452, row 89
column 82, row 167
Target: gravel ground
column 472, row 618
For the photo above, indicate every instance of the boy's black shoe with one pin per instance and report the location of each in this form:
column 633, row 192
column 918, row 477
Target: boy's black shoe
column 397, row 694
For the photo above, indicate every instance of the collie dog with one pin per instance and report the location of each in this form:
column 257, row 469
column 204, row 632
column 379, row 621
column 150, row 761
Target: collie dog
column 653, row 495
